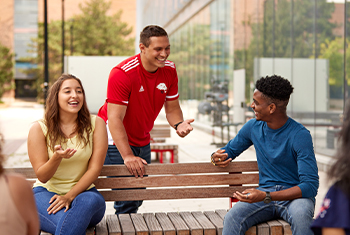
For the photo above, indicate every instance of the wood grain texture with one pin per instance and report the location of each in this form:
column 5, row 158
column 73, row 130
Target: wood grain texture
column 192, row 223
column 163, row 169
column 180, row 225
column 166, row 224
column 275, row 227
column 139, row 224
column 216, row 220
column 113, row 225
column 152, row 224
column 101, row 228
column 126, row 224
column 286, row 227
column 251, row 231
column 221, row 213
column 174, row 193
column 263, row 229
column 208, row 227
column 177, row 180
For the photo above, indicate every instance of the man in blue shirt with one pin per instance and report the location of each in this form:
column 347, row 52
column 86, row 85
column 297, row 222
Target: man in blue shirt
column 288, row 174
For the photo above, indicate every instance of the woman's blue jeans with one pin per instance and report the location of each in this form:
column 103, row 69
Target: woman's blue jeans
column 86, row 210
column 113, row 157
column 298, row 213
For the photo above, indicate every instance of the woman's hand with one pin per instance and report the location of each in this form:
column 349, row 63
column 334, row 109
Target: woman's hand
column 57, row 203
column 68, row 153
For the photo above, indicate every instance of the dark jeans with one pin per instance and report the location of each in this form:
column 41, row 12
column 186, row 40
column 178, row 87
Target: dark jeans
column 113, row 157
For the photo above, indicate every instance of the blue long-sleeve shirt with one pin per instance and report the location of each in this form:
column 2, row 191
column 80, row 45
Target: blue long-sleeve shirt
column 285, row 156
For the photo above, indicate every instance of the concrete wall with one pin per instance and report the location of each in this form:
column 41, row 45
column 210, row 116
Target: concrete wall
column 93, row 71
column 309, row 78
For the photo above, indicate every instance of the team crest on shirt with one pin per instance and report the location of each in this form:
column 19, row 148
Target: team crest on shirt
column 162, row 87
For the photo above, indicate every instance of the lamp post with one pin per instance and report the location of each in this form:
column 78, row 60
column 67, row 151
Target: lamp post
column 62, row 36
column 46, row 54
column 71, row 36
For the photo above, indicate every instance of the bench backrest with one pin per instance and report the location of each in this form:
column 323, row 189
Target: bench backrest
column 160, row 131
column 172, row 181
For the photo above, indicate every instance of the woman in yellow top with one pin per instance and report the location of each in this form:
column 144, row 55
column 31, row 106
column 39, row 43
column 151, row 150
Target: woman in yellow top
column 67, row 150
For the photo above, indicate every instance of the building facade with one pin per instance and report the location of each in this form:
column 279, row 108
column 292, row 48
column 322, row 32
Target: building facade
column 19, row 25
column 213, row 41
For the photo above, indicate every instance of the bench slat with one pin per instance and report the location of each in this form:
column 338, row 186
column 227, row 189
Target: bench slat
column 174, row 193
column 166, row 224
column 113, row 225
column 275, row 227
column 180, row 168
column 139, row 224
column 251, row 231
column 152, row 224
column 177, row 180
column 221, row 213
column 180, row 225
column 28, row 172
column 286, row 227
column 216, row 220
column 126, row 224
column 101, row 228
column 165, row 169
column 191, row 222
column 208, row 227
column 263, row 229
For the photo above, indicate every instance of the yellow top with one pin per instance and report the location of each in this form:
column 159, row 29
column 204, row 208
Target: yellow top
column 70, row 171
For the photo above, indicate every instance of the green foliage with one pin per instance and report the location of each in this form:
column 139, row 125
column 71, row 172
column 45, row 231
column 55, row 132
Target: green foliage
column 93, row 32
column 6, row 69
column 289, row 29
column 334, row 52
column 96, row 33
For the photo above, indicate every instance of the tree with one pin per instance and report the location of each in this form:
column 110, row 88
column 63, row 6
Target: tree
column 6, row 70
column 100, row 34
column 93, row 33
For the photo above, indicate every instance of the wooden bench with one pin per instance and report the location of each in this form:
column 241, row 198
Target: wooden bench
column 158, row 135
column 175, row 181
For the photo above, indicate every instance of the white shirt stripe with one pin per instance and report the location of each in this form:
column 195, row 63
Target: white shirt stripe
column 129, row 63
column 173, row 96
column 126, row 70
column 167, row 63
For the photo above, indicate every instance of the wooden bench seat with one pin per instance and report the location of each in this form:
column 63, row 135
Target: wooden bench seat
column 174, row 181
column 159, row 133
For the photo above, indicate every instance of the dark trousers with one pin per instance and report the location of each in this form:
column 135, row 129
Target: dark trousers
column 113, row 157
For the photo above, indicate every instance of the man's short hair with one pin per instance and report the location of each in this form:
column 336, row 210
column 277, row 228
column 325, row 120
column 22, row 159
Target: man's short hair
column 275, row 87
column 151, row 31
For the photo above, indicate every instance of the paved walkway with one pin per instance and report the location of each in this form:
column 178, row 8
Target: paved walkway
column 15, row 121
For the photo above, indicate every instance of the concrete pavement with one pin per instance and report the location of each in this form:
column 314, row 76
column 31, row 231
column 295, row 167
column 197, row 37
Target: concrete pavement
column 15, row 121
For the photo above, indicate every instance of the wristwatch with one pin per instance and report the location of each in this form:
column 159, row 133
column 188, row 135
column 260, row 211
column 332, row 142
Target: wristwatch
column 177, row 124
column 267, row 198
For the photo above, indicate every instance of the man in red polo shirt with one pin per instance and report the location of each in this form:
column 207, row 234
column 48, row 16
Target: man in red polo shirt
column 137, row 90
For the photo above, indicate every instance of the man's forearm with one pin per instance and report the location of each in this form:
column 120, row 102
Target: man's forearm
column 120, row 138
column 174, row 117
column 287, row 194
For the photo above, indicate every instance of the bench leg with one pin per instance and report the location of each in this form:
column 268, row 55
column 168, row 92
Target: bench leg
column 172, row 156
column 160, row 157
column 232, row 200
